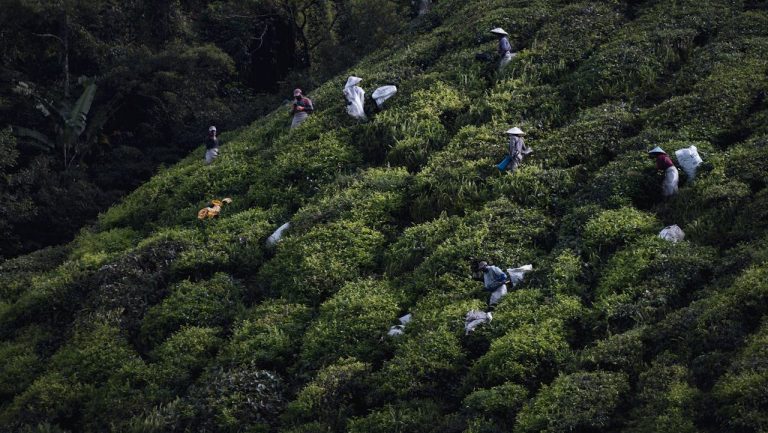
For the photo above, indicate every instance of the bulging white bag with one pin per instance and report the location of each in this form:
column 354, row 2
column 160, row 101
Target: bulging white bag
column 275, row 237
column 355, row 96
column 689, row 160
column 383, row 93
column 474, row 319
column 672, row 233
column 516, row 275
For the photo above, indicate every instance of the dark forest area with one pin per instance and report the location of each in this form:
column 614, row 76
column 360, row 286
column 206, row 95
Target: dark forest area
column 95, row 96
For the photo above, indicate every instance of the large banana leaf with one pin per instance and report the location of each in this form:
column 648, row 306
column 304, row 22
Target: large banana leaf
column 39, row 139
column 78, row 116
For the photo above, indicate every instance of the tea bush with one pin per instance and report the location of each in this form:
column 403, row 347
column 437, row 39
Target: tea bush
column 527, row 355
column 739, row 393
column 313, row 265
column 268, row 335
column 423, row 364
column 500, row 402
column 351, row 323
column 209, row 303
column 335, row 394
column 238, row 399
column 575, row 401
column 184, row 354
column 611, row 229
column 667, row 401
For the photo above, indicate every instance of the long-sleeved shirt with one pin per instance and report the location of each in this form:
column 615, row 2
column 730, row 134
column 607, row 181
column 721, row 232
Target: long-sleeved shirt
column 516, row 145
column 211, row 143
column 504, row 46
column 493, row 278
column 663, row 162
column 305, row 103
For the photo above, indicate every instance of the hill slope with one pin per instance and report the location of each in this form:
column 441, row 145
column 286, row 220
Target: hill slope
column 153, row 321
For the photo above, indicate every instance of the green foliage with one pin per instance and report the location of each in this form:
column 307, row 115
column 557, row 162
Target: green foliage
column 423, row 364
column 527, row 354
column 185, row 353
column 335, row 394
column 740, row 393
column 351, row 323
column 268, row 334
column 610, row 229
column 208, row 303
column 575, row 401
column 312, row 266
column 650, row 277
column 502, row 402
column 237, row 399
column 421, row 415
column 667, row 401
column 97, row 248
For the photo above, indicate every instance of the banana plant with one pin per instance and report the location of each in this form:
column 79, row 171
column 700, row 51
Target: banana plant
column 72, row 133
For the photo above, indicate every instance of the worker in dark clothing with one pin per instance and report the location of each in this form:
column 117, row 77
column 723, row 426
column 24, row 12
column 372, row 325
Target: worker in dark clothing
column 505, row 48
column 301, row 109
column 671, row 176
column 494, row 281
column 211, row 145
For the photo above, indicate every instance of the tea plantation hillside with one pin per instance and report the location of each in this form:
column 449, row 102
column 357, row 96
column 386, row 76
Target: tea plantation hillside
column 153, row 321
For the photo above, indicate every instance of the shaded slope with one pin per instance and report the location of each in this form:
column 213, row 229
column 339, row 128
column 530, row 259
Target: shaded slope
column 153, row 321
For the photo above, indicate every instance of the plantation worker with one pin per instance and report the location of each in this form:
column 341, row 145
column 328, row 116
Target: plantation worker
column 301, row 109
column 494, row 281
column 211, row 145
column 664, row 163
column 505, row 48
column 517, row 148
column 354, row 95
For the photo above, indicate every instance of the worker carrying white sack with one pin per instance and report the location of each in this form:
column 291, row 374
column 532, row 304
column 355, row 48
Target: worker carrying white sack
column 665, row 164
column 355, row 97
column 494, row 281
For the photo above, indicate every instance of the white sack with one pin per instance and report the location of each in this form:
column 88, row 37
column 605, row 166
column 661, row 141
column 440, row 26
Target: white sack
column 406, row 319
column 498, row 294
column 672, row 233
column 516, row 275
column 689, row 159
column 275, row 237
column 383, row 93
column 474, row 319
column 355, row 96
column 396, row 330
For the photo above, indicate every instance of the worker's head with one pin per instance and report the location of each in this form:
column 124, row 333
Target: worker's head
column 516, row 131
column 656, row 151
column 212, row 130
column 482, row 265
column 297, row 93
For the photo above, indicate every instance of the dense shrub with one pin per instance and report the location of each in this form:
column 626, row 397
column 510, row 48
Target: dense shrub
column 236, row 400
column 335, row 394
column 500, row 402
column 268, row 335
column 617, row 352
column 651, row 277
column 422, row 415
column 423, row 364
column 575, row 401
column 184, row 354
column 528, row 355
column 667, row 401
column 313, row 265
column 375, row 197
column 351, row 323
column 208, row 303
column 740, row 393
column 610, row 229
